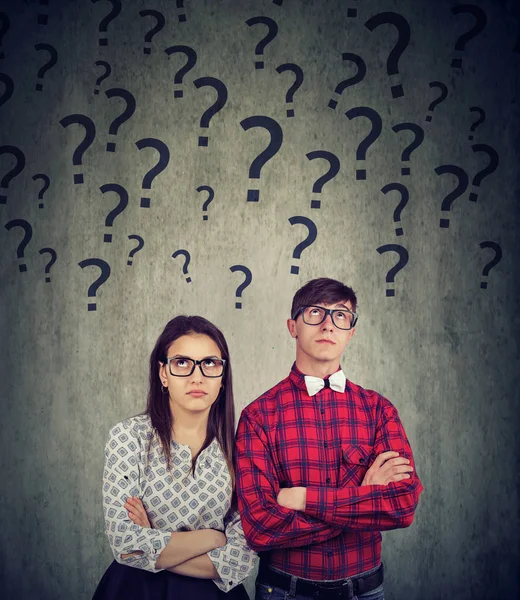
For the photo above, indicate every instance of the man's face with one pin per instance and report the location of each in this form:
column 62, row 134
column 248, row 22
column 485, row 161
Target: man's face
column 323, row 343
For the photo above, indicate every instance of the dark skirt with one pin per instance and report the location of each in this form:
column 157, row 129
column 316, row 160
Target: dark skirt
column 121, row 582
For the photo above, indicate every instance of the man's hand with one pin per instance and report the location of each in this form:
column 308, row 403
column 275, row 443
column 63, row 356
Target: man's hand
column 386, row 468
column 294, row 498
column 136, row 511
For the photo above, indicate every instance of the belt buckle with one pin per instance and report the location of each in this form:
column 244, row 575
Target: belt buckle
column 343, row 590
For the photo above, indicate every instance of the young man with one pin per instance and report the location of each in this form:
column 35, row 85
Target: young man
column 323, row 465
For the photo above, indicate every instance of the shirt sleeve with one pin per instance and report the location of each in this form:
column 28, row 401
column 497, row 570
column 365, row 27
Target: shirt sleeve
column 267, row 525
column 372, row 507
column 121, row 480
column 235, row 561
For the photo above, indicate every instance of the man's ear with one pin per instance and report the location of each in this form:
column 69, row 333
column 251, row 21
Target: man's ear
column 291, row 326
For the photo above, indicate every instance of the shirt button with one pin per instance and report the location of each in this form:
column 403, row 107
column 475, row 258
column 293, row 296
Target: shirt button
column 361, row 460
column 322, row 411
column 325, row 445
column 328, row 480
column 329, row 553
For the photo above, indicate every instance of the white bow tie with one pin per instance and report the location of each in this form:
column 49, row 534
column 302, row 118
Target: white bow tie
column 336, row 382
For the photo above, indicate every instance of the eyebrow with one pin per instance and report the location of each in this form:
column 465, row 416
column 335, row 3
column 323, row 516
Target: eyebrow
column 203, row 358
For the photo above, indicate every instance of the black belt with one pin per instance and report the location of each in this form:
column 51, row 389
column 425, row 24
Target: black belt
column 336, row 589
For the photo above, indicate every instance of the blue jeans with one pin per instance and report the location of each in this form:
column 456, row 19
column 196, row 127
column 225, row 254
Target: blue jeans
column 268, row 592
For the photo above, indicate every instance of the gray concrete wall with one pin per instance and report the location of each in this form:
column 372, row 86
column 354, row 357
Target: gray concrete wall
column 442, row 349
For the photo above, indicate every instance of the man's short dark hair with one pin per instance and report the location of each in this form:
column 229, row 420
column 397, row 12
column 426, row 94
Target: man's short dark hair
column 323, row 291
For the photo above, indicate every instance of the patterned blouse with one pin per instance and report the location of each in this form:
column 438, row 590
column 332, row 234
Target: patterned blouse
column 135, row 465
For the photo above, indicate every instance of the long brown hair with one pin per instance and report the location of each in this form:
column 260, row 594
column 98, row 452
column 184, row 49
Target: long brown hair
column 221, row 419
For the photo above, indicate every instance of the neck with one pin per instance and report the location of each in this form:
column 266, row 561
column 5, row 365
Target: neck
column 189, row 424
column 317, row 369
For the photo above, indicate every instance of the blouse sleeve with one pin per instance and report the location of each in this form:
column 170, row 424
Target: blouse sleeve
column 235, row 561
column 131, row 544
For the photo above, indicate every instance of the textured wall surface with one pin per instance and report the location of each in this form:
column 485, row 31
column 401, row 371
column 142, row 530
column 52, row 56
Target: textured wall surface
column 443, row 349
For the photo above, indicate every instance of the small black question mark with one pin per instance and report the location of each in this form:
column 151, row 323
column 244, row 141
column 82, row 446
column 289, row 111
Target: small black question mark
column 490, row 168
column 191, row 61
column 298, row 72
column 162, row 163
column 101, row 78
column 26, row 226
column 497, row 258
column 124, row 116
column 217, row 106
column 122, row 204
column 48, row 65
column 244, row 284
column 479, row 121
column 211, row 195
column 116, row 9
column 403, row 190
column 359, row 76
column 16, row 170
column 334, row 166
column 181, row 16
column 377, row 126
column 444, row 94
column 47, row 183
column 418, row 140
column 159, row 25
column 187, row 259
column 90, row 134
column 43, row 18
column 403, row 260
column 105, row 274
column 135, row 250
column 462, row 186
column 308, row 241
column 480, row 24
column 273, row 31
column 48, row 266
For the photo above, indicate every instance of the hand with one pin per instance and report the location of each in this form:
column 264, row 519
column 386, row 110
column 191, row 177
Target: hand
column 293, row 498
column 136, row 511
column 220, row 538
column 385, row 468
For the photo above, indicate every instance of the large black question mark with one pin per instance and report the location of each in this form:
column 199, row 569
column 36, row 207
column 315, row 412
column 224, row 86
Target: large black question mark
column 418, row 132
column 159, row 25
column 490, row 168
column 298, row 72
column 403, row 260
column 480, row 24
column 48, row 65
column 124, row 116
column 122, row 204
column 275, row 143
column 5, row 24
column 26, row 226
column 105, row 274
column 47, row 183
column 403, row 30
column 462, row 186
column 217, row 106
column 116, row 9
column 244, row 284
column 333, row 170
column 271, row 34
column 377, row 126
column 497, row 258
column 479, row 121
column 405, row 196
column 90, row 134
column 43, row 18
column 211, row 195
column 187, row 259
column 162, row 163
column 48, row 266
column 191, row 61
column 134, row 251
column 312, row 233
column 16, row 170
column 181, row 16
column 8, row 90
column 444, row 94
column 346, row 83
column 101, row 78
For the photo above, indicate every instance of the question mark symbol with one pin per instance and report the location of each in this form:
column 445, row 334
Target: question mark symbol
column 164, row 159
column 418, row 140
column 491, row 167
column 116, row 9
column 124, row 116
column 191, row 61
column 403, row 260
column 9, row 88
column 123, row 203
column 160, row 21
column 42, row 18
column 187, row 258
column 298, row 72
column 48, row 266
column 375, row 132
column 135, row 250
column 5, row 24
column 498, row 257
column 105, row 274
column 211, row 195
column 90, row 134
column 479, row 121
column 273, row 30
column 244, row 284
column 99, row 80
column 334, row 165
column 403, row 29
column 48, row 65
column 182, row 16
column 26, row 226
column 222, row 95
column 274, row 145
column 359, row 76
column 480, row 24
column 16, row 170
column 462, row 186
column 44, row 188
column 439, row 99
column 398, row 187
column 308, row 241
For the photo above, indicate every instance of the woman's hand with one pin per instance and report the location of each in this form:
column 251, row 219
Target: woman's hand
column 136, row 511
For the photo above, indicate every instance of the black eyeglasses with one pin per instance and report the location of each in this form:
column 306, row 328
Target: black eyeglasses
column 343, row 318
column 182, row 366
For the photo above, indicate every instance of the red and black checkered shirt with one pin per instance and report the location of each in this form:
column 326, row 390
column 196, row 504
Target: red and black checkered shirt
column 325, row 443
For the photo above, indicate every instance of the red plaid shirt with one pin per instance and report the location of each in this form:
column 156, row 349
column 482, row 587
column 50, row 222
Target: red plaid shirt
column 325, row 443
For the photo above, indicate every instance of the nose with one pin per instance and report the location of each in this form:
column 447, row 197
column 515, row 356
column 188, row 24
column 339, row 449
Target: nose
column 327, row 324
column 196, row 376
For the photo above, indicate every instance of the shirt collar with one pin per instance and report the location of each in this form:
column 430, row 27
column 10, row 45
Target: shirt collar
column 298, row 378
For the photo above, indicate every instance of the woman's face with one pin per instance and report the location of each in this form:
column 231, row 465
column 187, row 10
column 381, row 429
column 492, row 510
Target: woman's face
column 195, row 393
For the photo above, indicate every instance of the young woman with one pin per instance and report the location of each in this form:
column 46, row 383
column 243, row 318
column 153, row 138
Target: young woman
column 168, row 482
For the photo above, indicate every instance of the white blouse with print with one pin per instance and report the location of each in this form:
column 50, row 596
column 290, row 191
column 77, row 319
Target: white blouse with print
column 135, row 465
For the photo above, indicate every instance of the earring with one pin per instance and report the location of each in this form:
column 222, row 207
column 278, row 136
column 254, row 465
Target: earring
column 164, row 389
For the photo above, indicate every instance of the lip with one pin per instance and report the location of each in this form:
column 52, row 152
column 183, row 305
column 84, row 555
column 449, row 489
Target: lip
column 325, row 341
column 197, row 393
